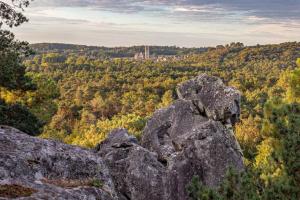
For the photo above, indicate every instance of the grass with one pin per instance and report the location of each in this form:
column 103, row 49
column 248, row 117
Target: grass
column 15, row 191
column 65, row 183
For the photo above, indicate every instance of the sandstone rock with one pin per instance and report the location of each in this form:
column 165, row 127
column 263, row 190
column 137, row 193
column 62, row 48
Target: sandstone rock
column 191, row 145
column 189, row 138
column 192, row 137
column 212, row 98
column 136, row 172
column 51, row 169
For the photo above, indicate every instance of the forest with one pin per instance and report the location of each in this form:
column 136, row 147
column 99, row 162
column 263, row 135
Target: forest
column 80, row 99
column 78, row 94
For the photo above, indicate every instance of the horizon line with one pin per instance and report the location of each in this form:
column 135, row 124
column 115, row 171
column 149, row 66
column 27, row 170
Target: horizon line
column 177, row 46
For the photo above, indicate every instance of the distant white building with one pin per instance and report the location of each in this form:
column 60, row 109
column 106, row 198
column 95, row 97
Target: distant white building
column 139, row 56
column 143, row 56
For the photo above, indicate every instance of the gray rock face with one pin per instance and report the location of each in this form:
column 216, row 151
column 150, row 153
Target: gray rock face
column 212, row 98
column 136, row 172
column 192, row 137
column 52, row 169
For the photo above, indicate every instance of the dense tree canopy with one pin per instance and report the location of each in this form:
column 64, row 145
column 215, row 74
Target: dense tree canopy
column 95, row 90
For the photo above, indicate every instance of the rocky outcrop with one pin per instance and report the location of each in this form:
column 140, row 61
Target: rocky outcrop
column 51, row 170
column 211, row 98
column 192, row 137
column 136, row 172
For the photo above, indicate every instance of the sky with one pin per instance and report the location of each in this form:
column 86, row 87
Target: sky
column 189, row 23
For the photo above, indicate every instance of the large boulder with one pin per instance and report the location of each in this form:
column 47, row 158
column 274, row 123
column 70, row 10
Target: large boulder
column 34, row 168
column 192, row 137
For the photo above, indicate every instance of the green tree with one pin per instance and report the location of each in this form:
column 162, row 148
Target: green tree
column 12, row 71
column 99, row 106
column 10, row 15
column 248, row 135
column 166, row 99
column 41, row 101
column 20, row 117
column 293, row 92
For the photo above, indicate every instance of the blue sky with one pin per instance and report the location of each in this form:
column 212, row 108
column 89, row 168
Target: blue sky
column 191, row 23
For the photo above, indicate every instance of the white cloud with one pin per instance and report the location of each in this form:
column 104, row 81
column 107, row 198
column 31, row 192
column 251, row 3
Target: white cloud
column 186, row 22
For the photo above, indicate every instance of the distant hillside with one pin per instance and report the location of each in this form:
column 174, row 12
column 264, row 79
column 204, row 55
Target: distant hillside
column 111, row 52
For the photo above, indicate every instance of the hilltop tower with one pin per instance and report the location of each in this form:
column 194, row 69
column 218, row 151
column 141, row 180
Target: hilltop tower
column 147, row 52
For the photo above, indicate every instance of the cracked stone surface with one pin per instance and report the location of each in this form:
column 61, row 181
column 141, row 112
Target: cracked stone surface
column 136, row 172
column 43, row 165
column 192, row 137
column 212, row 98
